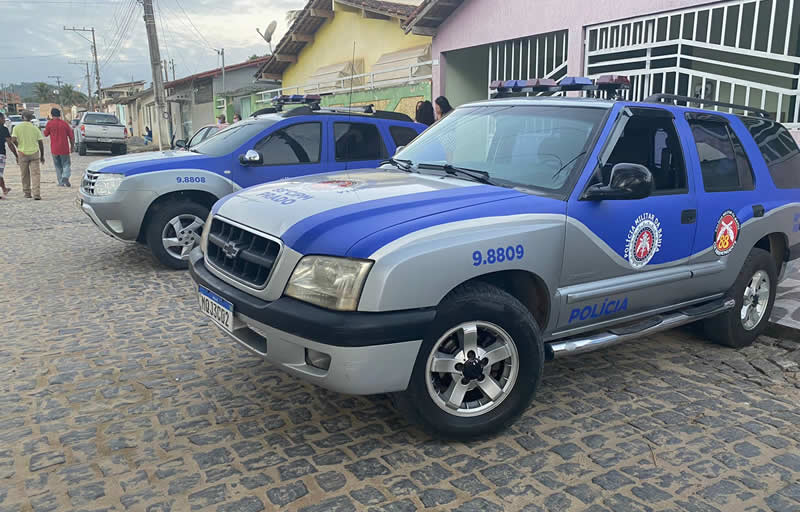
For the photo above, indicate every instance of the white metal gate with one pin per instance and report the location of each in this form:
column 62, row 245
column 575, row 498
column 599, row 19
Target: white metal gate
column 738, row 51
column 539, row 56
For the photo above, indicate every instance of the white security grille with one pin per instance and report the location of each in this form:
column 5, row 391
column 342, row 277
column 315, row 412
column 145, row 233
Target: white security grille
column 540, row 56
column 740, row 51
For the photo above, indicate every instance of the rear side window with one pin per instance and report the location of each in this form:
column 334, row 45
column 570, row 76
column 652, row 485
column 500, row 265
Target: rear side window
column 358, row 141
column 779, row 150
column 402, row 135
column 296, row 144
column 723, row 160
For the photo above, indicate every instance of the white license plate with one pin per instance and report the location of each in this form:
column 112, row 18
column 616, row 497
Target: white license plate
column 216, row 308
column 105, row 140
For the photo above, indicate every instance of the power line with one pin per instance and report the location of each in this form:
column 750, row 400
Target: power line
column 122, row 34
column 121, row 31
column 193, row 25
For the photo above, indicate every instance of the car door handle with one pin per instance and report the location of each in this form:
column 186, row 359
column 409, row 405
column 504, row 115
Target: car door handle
column 758, row 210
column 688, row 216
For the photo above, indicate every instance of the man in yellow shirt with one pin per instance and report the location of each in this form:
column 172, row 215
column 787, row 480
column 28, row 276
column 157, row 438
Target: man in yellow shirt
column 29, row 142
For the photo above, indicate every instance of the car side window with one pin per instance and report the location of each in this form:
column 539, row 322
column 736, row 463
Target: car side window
column 723, row 161
column 402, row 135
column 295, row 144
column 779, row 150
column 198, row 137
column 651, row 141
column 358, row 141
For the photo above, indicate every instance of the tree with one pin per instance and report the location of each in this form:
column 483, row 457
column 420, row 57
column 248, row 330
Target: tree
column 43, row 92
column 68, row 96
column 254, row 57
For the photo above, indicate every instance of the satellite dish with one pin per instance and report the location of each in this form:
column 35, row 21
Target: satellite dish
column 268, row 32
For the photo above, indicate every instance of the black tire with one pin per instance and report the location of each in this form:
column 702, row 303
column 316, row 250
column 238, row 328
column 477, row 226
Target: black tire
column 728, row 328
column 82, row 148
column 123, row 149
column 476, row 302
column 162, row 215
column 114, row 149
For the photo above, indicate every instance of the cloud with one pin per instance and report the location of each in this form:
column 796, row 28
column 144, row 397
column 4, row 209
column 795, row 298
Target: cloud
column 34, row 50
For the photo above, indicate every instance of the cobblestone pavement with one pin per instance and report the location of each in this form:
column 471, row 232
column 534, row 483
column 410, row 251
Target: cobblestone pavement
column 787, row 303
column 116, row 395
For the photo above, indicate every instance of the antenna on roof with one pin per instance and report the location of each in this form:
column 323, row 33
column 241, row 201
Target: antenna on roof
column 268, row 32
column 350, row 101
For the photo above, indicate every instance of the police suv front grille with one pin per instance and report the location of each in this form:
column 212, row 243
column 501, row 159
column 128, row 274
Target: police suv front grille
column 241, row 254
column 89, row 179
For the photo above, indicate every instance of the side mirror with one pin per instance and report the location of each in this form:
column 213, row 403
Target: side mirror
column 252, row 157
column 628, row 181
column 180, row 143
column 399, row 149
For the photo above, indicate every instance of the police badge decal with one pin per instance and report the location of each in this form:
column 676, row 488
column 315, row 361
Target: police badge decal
column 644, row 240
column 727, row 233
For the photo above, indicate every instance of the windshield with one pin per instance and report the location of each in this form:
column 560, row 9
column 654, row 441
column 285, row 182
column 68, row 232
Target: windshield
column 15, row 118
column 517, row 145
column 232, row 137
column 100, row 119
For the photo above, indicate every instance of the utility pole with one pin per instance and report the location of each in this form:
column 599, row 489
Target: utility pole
column 88, row 81
column 94, row 52
column 155, row 63
column 58, row 79
column 172, row 65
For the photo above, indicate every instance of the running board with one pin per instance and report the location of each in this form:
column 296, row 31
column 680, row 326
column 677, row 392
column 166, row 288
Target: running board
column 574, row 346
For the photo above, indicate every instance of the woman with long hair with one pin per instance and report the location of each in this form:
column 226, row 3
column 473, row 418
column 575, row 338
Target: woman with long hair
column 442, row 107
column 425, row 113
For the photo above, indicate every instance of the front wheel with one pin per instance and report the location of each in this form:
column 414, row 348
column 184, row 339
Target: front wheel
column 174, row 230
column 478, row 368
column 754, row 293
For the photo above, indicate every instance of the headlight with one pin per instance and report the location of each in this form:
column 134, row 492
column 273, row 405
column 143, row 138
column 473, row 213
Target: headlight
column 330, row 282
column 206, row 229
column 107, row 184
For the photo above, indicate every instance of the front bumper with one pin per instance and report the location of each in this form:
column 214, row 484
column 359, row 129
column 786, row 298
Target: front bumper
column 369, row 352
column 118, row 215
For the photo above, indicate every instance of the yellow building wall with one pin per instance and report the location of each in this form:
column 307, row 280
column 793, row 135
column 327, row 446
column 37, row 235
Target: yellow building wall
column 333, row 43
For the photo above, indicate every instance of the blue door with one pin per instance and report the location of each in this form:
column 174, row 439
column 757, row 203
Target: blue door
column 624, row 257
column 289, row 150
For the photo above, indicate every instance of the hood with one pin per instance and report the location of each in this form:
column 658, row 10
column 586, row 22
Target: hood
column 149, row 161
column 330, row 214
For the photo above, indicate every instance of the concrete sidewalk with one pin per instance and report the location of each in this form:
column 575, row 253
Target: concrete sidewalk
column 786, row 313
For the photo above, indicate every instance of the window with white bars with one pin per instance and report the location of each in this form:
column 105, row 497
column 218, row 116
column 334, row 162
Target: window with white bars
column 539, row 56
column 745, row 52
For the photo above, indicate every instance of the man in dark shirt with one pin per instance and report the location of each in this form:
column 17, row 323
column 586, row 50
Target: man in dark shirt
column 61, row 142
column 5, row 138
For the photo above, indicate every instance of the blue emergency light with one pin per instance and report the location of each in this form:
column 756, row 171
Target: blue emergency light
column 576, row 83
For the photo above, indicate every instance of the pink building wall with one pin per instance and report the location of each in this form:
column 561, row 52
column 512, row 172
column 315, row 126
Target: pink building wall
column 479, row 22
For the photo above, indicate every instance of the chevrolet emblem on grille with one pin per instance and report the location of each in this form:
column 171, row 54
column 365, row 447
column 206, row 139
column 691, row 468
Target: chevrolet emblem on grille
column 231, row 250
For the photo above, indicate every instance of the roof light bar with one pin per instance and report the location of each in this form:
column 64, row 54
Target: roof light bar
column 606, row 83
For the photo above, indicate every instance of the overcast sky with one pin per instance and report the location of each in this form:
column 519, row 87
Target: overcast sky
column 34, row 44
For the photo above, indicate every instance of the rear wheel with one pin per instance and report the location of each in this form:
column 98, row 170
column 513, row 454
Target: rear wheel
column 479, row 367
column 82, row 148
column 754, row 293
column 174, row 230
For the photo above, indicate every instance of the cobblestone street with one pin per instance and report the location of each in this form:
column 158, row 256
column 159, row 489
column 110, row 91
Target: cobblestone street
column 116, row 395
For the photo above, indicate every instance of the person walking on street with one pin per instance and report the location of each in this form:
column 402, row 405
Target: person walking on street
column 221, row 120
column 5, row 138
column 424, row 113
column 62, row 141
column 30, row 148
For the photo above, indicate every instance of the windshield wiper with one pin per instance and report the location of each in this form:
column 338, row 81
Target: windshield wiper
column 474, row 174
column 403, row 165
column 555, row 175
